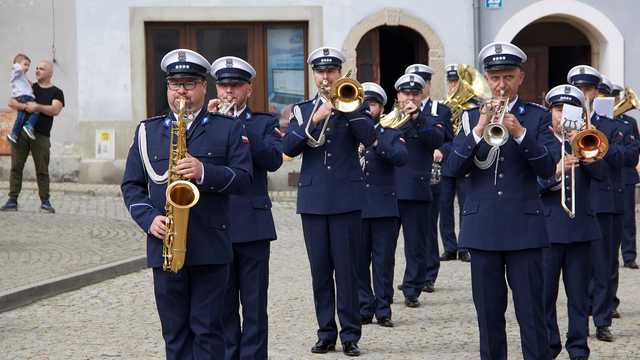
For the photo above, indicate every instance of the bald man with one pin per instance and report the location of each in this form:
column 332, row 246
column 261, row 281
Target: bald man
column 49, row 101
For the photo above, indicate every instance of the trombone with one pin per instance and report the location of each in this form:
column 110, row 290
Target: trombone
column 588, row 144
column 346, row 95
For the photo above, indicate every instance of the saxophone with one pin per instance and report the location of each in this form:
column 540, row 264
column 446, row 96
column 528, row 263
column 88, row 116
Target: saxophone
column 181, row 195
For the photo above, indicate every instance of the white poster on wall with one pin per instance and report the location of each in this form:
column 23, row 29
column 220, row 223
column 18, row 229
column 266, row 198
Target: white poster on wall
column 105, row 144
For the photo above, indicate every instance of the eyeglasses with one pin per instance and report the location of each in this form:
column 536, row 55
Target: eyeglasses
column 187, row 85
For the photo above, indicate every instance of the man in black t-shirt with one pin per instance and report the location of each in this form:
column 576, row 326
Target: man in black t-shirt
column 49, row 103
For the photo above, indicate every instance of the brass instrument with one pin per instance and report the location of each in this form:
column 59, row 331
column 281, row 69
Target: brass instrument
column 495, row 133
column 471, row 84
column 181, row 196
column 589, row 143
column 346, row 95
column 226, row 105
column 397, row 117
column 628, row 102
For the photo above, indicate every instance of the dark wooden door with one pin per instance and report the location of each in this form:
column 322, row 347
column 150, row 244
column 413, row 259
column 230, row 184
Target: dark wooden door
column 536, row 82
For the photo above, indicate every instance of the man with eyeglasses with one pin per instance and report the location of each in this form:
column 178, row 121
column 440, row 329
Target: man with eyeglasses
column 190, row 302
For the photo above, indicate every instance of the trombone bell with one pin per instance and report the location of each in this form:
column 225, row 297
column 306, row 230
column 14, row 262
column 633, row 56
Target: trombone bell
column 590, row 144
column 347, row 95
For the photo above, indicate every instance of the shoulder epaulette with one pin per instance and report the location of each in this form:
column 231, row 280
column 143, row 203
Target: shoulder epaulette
column 538, row 106
column 159, row 117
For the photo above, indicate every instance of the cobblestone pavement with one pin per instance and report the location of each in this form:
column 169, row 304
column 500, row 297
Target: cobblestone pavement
column 86, row 231
column 117, row 319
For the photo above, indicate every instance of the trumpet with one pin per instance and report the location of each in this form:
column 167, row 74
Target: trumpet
column 346, row 95
column 495, row 133
column 399, row 116
column 227, row 104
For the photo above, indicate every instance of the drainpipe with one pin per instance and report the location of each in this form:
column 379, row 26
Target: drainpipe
column 476, row 31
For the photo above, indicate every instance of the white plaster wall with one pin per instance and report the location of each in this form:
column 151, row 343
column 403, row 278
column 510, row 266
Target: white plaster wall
column 27, row 26
column 103, row 40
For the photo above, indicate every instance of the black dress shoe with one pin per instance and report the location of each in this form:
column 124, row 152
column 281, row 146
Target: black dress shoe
column 366, row 320
column 464, row 256
column 350, row 348
column 615, row 314
column 603, row 333
column 323, row 347
column 412, row 303
column 631, row 265
column 429, row 287
column 385, row 322
column 447, row 256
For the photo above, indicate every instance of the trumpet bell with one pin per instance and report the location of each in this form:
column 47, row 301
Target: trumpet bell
column 590, row 144
column 347, row 95
column 495, row 134
column 629, row 102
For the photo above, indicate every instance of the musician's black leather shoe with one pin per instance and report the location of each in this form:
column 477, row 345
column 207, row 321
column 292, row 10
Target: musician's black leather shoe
column 631, row 265
column 615, row 314
column 10, row 205
column 447, row 256
column 603, row 333
column 429, row 287
column 366, row 320
column 386, row 322
column 350, row 348
column 464, row 256
column 323, row 347
column 412, row 303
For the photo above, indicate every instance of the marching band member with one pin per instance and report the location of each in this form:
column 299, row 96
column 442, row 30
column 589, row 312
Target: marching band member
column 628, row 244
column 570, row 250
column 503, row 223
column 630, row 156
column 432, row 108
column 252, row 227
column 450, row 187
column 330, row 192
column 423, row 134
column 190, row 302
column 380, row 216
column 604, row 202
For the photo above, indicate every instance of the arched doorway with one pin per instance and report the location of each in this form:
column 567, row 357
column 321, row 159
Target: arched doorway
column 552, row 47
column 605, row 39
column 385, row 51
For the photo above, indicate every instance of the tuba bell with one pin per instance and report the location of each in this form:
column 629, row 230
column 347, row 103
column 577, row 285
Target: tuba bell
column 181, row 195
column 346, row 95
column 628, row 102
column 471, row 84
